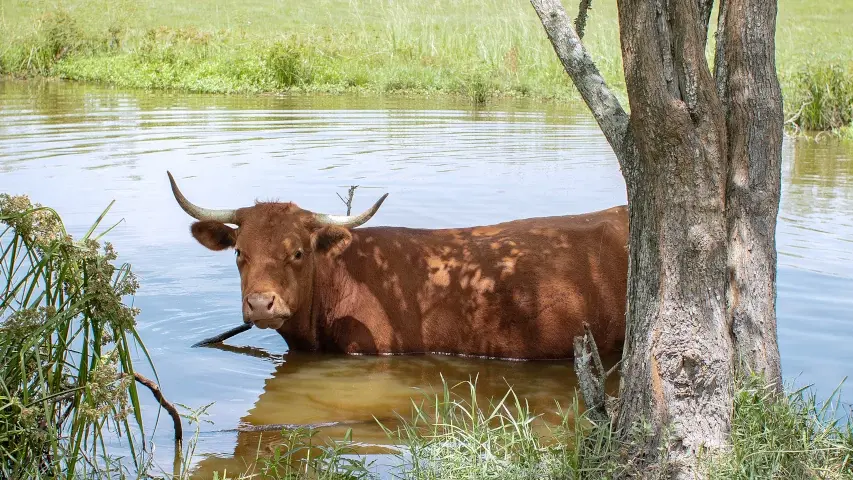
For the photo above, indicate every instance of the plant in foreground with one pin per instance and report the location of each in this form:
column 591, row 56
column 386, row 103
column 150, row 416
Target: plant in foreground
column 66, row 379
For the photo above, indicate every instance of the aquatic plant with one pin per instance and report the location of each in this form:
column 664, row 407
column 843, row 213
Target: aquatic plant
column 67, row 378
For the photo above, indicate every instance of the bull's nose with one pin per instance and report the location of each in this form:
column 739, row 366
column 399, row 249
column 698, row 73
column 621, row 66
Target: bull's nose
column 260, row 303
column 265, row 310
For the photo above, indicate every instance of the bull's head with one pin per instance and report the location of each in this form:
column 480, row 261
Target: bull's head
column 277, row 245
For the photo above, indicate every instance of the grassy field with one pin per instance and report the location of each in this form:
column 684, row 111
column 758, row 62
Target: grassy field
column 476, row 48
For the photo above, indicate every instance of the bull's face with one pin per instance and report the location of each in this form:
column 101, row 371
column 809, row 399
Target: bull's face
column 276, row 247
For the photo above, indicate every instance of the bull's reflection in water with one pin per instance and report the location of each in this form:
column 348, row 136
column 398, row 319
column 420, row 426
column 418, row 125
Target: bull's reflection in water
column 319, row 389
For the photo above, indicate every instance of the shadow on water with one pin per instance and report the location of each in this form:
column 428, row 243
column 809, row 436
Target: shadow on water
column 317, row 389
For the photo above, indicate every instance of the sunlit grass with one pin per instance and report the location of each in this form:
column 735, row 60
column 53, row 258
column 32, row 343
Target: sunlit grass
column 796, row 436
column 475, row 49
column 825, row 97
column 331, row 46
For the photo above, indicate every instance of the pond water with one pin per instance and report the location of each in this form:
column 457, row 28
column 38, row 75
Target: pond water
column 77, row 147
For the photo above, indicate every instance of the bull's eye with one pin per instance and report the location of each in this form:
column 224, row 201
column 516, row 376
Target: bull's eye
column 297, row 255
column 237, row 252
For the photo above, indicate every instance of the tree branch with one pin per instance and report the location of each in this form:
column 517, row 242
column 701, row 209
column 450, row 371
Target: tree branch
column 583, row 12
column 705, row 7
column 591, row 375
column 605, row 107
column 223, row 336
column 350, row 195
column 173, row 412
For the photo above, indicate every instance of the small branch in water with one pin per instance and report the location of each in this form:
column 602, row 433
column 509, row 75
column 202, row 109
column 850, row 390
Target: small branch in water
column 348, row 201
column 223, row 336
column 583, row 12
column 173, row 412
column 275, row 427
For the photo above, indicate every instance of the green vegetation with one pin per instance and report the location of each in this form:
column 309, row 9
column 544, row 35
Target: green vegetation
column 65, row 341
column 477, row 49
column 792, row 437
column 825, row 98
column 68, row 399
column 450, row 435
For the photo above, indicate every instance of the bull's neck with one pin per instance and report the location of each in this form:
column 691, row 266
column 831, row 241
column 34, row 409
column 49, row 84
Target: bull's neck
column 300, row 332
column 334, row 296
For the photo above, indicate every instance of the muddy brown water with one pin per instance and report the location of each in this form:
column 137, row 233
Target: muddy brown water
column 77, row 147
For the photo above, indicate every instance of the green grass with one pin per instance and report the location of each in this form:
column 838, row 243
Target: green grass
column 826, row 98
column 370, row 46
column 474, row 48
column 452, row 435
column 793, row 437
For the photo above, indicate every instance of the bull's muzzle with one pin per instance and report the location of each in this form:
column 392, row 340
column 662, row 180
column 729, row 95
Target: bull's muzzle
column 265, row 310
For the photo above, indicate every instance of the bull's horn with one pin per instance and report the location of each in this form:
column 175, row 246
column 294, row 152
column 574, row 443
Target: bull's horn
column 349, row 221
column 224, row 216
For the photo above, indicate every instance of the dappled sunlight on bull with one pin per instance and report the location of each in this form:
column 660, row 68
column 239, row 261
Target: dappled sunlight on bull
column 514, row 290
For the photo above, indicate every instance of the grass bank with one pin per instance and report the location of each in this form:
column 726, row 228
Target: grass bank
column 475, row 48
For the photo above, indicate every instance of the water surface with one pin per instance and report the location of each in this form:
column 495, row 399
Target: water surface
column 77, row 147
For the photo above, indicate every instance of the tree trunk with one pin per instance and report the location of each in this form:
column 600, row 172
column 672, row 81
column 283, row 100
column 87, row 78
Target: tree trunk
column 701, row 161
column 747, row 81
column 678, row 363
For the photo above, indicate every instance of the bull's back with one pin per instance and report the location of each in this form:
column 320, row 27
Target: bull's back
column 519, row 289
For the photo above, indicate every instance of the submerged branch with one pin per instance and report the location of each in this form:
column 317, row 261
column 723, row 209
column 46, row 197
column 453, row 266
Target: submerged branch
column 277, row 427
column 223, row 336
column 605, row 107
column 173, row 412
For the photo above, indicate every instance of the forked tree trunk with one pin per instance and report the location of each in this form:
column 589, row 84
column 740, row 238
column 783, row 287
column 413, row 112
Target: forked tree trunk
column 701, row 161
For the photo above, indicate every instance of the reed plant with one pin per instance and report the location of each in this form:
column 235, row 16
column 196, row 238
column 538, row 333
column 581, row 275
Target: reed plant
column 67, row 390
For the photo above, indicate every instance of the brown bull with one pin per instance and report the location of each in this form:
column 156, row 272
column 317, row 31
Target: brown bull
column 520, row 289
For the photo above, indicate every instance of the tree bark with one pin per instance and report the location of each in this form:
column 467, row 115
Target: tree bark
column 678, row 357
column 701, row 159
column 747, row 81
column 583, row 12
column 705, row 7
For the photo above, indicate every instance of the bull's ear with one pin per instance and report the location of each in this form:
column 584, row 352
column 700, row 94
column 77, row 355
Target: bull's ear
column 331, row 240
column 214, row 235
